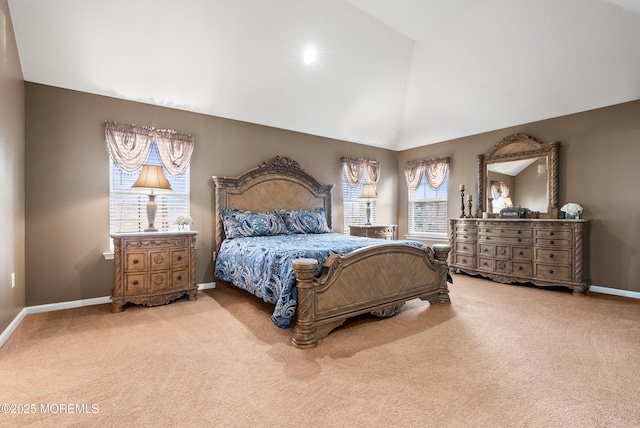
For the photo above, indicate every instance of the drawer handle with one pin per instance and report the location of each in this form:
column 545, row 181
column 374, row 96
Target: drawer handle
column 550, row 270
column 519, row 232
column 136, row 261
column 519, row 239
column 179, row 258
column 551, row 233
column 520, row 268
column 179, row 277
column 464, row 260
column 486, row 250
column 551, row 242
column 135, row 282
column 551, row 255
column 521, row 253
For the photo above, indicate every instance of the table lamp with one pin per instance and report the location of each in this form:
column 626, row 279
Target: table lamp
column 368, row 193
column 151, row 177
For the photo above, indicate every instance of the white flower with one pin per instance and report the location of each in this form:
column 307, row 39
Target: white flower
column 184, row 220
column 572, row 209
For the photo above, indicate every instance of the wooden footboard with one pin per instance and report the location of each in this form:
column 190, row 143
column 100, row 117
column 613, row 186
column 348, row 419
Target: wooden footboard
column 376, row 279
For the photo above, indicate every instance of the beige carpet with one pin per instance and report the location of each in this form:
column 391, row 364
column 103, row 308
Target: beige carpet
column 498, row 356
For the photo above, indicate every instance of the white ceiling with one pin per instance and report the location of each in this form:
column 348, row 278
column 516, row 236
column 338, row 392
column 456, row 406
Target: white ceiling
column 390, row 73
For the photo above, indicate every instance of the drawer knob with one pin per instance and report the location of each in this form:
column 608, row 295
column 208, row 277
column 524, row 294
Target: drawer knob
column 519, row 232
column 551, row 233
column 550, row 270
column 521, row 253
column 520, row 268
column 136, row 261
column 135, row 282
column 519, row 239
column 179, row 258
column 551, row 255
column 486, row 264
column 179, row 277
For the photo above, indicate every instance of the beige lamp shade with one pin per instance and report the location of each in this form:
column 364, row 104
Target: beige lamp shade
column 369, row 191
column 152, row 177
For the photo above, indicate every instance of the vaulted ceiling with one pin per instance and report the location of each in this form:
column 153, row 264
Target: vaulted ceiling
column 388, row 73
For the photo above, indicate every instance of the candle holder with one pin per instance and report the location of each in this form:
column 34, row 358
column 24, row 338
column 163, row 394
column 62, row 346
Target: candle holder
column 462, row 202
column 470, row 205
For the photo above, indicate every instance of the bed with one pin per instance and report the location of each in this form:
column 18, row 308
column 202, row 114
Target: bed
column 315, row 278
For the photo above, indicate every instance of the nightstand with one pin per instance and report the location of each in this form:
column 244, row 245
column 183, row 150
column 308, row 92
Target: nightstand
column 153, row 268
column 380, row 231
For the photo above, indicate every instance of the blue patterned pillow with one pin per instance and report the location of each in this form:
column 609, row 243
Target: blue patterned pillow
column 311, row 221
column 240, row 224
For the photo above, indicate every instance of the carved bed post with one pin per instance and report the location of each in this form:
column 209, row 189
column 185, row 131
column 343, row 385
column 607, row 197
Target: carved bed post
column 442, row 254
column 304, row 332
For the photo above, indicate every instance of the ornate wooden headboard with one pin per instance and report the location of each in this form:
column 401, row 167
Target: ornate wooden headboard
column 278, row 183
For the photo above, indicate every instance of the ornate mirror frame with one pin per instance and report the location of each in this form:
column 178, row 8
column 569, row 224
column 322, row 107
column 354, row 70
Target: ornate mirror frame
column 517, row 147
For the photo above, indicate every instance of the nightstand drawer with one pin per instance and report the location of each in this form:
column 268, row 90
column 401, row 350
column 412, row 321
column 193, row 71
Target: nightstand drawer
column 179, row 258
column 159, row 259
column 135, row 261
column 179, row 277
column 135, row 283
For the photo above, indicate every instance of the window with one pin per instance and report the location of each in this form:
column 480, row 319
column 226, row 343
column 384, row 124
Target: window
column 128, row 207
column 354, row 206
column 428, row 209
column 130, row 147
column 428, row 182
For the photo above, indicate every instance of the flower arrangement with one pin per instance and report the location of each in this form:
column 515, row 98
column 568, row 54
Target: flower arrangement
column 183, row 222
column 571, row 210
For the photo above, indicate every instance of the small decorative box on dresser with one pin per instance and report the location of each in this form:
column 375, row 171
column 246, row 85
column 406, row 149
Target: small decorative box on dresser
column 379, row 231
column 153, row 268
column 545, row 252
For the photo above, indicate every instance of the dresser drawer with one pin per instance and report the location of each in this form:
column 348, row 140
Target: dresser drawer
column 553, row 255
column 552, row 233
column 522, row 268
column 523, row 240
column 485, row 263
column 555, row 242
column 464, row 261
column 465, row 247
column 521, row 253
column 505, row 231
column 552, row 272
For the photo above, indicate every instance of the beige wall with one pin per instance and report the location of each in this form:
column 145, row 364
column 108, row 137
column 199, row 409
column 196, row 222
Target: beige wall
column 67, row 187
column 599, row 155
column 67, row 181
column 12, row 143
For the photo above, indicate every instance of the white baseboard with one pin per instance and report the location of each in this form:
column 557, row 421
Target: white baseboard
column 615, row 292
column 66, row 305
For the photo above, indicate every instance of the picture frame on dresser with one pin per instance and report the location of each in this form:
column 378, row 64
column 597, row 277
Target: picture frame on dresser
column 543, row 250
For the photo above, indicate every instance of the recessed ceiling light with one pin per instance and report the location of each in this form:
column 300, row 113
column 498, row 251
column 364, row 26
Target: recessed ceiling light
column 310, row 55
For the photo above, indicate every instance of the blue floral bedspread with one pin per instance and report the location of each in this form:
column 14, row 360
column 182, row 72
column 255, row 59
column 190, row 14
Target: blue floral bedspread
column 262, row 265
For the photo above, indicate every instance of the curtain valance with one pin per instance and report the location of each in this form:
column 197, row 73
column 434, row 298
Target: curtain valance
column 130, row 145
column 355, row 167
column 435, row 171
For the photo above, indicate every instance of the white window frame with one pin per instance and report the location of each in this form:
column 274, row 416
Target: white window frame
column 354, row 208
column 440, row 198
column 170, row 204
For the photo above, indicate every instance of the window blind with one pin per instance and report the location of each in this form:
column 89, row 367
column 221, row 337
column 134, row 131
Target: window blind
column 354, row 206
column 428, row 209
column 128, row 207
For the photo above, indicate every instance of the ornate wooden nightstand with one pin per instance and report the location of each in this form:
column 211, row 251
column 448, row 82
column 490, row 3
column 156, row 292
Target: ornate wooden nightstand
column 380, row 231
column 153, row 268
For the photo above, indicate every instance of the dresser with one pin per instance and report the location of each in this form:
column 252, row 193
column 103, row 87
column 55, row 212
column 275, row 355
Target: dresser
column 153, row 268
column 545, row 252
column 379, row 231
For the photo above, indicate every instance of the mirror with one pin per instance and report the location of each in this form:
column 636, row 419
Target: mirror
column 520, row 172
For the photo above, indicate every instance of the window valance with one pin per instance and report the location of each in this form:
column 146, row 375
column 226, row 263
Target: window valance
column 355, row 167
column 434, row 170
column 130, row 145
